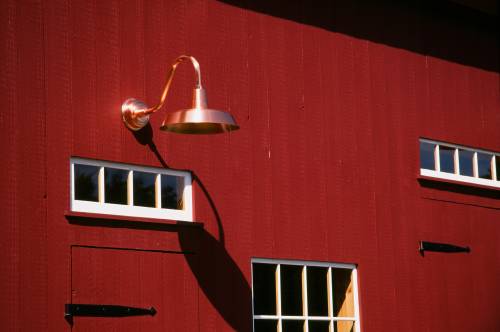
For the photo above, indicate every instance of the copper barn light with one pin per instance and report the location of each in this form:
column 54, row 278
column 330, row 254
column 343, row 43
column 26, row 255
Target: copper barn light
column 198, row 119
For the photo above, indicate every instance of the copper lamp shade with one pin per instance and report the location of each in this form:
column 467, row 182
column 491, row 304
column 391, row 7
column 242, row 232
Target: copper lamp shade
column 198, row 119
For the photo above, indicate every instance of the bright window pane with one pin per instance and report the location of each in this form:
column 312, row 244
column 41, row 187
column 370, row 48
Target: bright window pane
column 465, row 160
column 264, row 289
column 86, row 182
column 427, row 155
column 317, row 291
column 343, row 296
column 344, row 326
column 291, row 290
column 115, row 185
column 484, row 165
column 446, row 159
column 172, row 188
column 144, row 189
column 292, row 326
column 265, row 325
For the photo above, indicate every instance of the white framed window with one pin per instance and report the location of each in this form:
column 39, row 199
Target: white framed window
column 130, row 190
column 459, row 163
column 290, row 295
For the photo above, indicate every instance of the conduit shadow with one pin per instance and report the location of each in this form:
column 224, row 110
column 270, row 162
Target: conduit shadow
column 216, row 272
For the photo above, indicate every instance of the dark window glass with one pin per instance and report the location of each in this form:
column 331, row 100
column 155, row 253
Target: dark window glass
column 498, row 167
column 465, row 161
column 343, row 297
column 319, row 326
column 484, row 165
column 317, row 291
column 86, row 182
column 292, row 326
column 264, row 289
column 343, row 326
column 291, row 290
column 115, row 185
column 427, row 155
column 144, row 189
column 265, row 325
column 171, row 192
column 446, row 159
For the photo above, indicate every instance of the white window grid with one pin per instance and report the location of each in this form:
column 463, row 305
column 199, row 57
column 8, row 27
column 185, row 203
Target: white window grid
column 305, row 317
column 130, row 210
column 456, row 176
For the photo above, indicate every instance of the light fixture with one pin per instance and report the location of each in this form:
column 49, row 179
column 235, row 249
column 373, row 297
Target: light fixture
column 195, row 120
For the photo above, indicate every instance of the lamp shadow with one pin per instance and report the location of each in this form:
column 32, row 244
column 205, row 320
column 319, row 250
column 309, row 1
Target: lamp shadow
column 216, row 272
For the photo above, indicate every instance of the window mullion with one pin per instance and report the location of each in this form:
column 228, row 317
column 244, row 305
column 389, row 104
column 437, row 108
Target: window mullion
column 130, row 188
column 100, row 184
column 330, row 296
column 475, row 168
column 158, row 191
column 354, row 280
column 493, row 165
column 437, row 162
column 305, row 311
column 278, row 296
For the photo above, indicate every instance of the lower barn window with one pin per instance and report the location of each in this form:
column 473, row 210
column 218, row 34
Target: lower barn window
column 291, row 296
column 130, row 190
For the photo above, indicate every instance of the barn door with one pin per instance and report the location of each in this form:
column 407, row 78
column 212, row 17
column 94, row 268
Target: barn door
column 131, row 290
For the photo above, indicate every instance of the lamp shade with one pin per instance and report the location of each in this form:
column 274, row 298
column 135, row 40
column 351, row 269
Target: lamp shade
column 199, row 119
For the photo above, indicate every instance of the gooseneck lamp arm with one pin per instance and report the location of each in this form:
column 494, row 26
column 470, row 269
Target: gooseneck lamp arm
column 196, row 120
column 170, row 77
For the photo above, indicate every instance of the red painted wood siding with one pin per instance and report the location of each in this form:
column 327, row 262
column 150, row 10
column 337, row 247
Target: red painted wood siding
column 331, row 102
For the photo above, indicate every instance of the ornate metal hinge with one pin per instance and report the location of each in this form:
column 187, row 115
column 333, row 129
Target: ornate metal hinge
column 105, row 310
column 441, row 247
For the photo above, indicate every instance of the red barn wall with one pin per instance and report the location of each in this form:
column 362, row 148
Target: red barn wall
column 331, row 102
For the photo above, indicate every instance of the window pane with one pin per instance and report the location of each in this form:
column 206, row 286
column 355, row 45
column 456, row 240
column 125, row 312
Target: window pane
column 344, row 326
column 144, row 189
column 343, row 297
column 446, row 159
column 115, row 185
column 319, row 326
column 265, row 325
column 86, row 182
column 465, row 161
column 317, row 291
column 264, row 289
column 172, row 188
column 292, row 326
column 484, row 165
column 291, row 290
column 497, row 160
column 427, row 155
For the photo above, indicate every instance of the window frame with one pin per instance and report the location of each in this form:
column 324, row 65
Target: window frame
column 456, row 176
column 305, row 316
column 130, row 210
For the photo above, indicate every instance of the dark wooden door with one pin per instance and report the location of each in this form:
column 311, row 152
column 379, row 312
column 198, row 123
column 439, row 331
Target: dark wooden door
column 134, row 278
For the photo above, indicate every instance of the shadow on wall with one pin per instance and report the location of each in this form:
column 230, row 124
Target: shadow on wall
column 217, row 274
column 437, row 28
column 219, row 277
